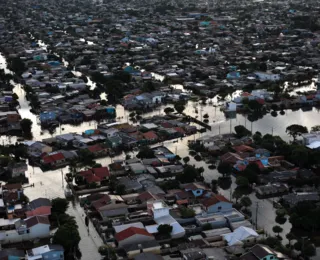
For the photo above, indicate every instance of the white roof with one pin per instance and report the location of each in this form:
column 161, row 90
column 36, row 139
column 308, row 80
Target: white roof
column 1, row 203
column 239, row 234
column 40, row 250
column 123, row 227
column 314, row 145
column 150, row 125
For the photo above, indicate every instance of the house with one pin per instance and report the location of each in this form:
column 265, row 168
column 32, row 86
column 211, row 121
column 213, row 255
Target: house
column 65, row 139
column 265, row 76
column 11, row 254
column 231, row 158
column 263, row 252
column 17, row 169
column 53, row 160
column 133, row 235
column 113, row 210
column 37, row 148
column 39, row 207
column 137, row 168
column 216, row 203
column 114, row 141
column 17, row 230
column 150, row 136
column 48, row 116
column 52, row 252
column 161, row 215
column 151, row 250
column 95, row 175
column 147, row 255
column 197, row 189
column 98, row 150
column 240, row 236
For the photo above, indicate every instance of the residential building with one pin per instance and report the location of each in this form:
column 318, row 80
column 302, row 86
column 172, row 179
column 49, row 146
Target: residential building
column 17, row 169
column 263, row 252
column 39, row 207
column 265, row 76
column 17, row 230
column 133, row 235
column 217, row 203
column 113, row 210
column 160, row 213
column 151, row 250
column 50, row 252
column 11, row 254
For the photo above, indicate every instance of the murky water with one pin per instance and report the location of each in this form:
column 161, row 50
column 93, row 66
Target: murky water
column 52, row 182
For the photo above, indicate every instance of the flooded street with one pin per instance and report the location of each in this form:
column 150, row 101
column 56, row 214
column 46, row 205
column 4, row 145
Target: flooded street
column 53, row 182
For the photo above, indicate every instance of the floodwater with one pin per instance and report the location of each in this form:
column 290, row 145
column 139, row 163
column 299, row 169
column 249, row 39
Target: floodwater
column 52, row 183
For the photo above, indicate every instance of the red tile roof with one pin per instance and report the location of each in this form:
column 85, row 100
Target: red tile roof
column 53, row 158
column 166, row 125
column 214, row 200
column 95, row 148
column 150, row 135
column 180, row 130
column 37, row 220
column 101, row 172
column 131, row 231
column 243, row 148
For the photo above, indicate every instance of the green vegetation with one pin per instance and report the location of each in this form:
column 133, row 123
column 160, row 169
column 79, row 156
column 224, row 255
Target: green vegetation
column 187, row 212
column 165, row 230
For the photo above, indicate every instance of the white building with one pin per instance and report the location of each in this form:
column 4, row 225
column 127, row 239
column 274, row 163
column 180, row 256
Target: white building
column 160, row 212
column 311, row 137
column 18, row 230
column 265, row 76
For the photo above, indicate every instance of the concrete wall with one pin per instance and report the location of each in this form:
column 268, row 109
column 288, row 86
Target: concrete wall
column 135, row 239
column 220, row 206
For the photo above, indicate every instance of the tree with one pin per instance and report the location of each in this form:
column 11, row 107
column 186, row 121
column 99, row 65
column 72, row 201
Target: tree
column 214, row 186
column 17, row 65
column 165, row 230
column 187, row 212
column 309, row 250
column 246, row 201
column 254, row 105
column 179, row 107
column 68, row 236
column 145, row 152
column 26, row 125
column 295, row 130
column 189, row 174
column 315, row 128
column 290, row 237
column 120, row 189
column 237, row 194
column 206, row 226
column 108, row 251
column 186, row 159
column 277, row 229
column 59, row 205
column 86, row 157
column 224, row 168
column 168, row 110
column 242, row 181
column 300, row 156
column 241, row 131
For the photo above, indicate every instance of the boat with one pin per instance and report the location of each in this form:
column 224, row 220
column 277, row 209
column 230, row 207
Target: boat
column 68, row 192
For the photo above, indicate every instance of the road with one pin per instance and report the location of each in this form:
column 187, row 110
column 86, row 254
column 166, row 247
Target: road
column 49, row 185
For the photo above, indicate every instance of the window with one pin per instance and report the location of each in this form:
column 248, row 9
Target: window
column 272, row 257
column 219, row 208
column 54, row 255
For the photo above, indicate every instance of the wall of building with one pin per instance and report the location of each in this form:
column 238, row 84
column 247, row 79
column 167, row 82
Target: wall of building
column 135, row 239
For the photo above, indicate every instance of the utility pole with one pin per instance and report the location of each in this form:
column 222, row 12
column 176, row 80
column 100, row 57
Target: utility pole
column 251, row 127
column 257, row 207
column 219, row 129
column 272, row 131
column 230, row 126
